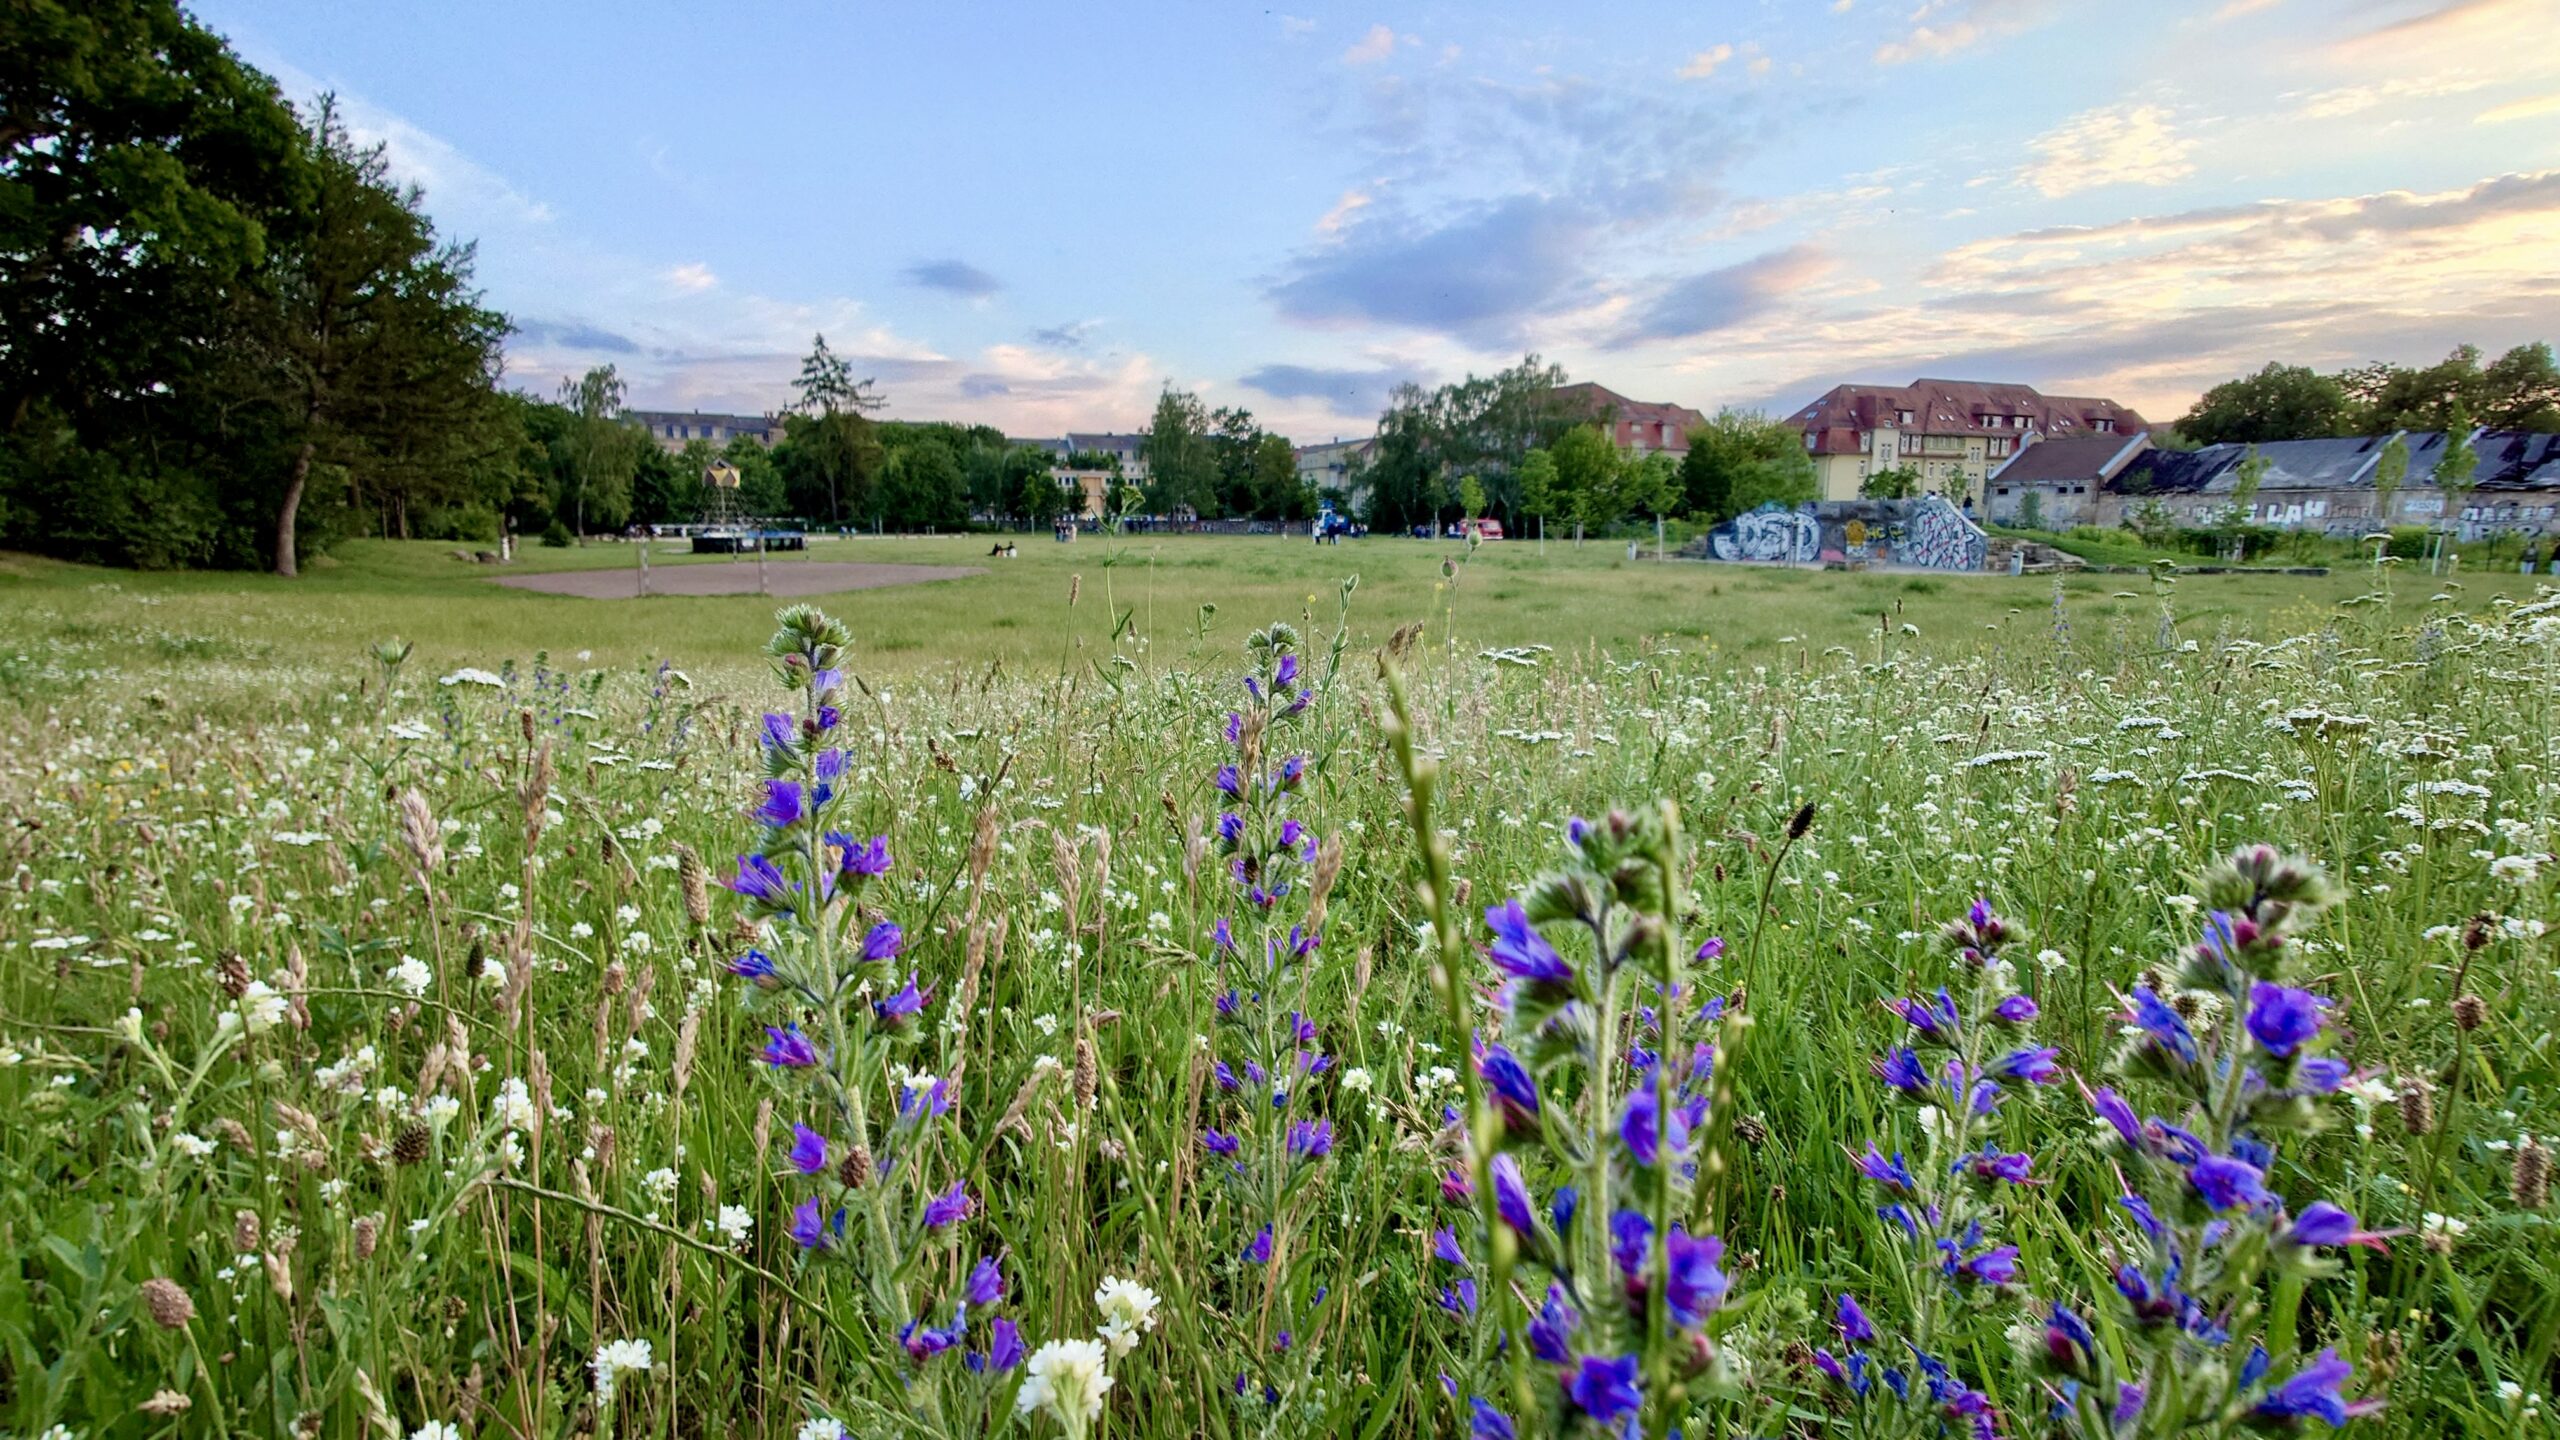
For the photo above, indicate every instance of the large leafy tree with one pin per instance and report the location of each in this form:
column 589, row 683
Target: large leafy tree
column 598, row 452
column 1741, row 460
column 1182, row 468
column 2280, row 402
column 838, row 444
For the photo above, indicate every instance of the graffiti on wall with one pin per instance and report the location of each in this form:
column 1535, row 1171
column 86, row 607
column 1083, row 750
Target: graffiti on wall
column 1929, row 533
column 1768, row 533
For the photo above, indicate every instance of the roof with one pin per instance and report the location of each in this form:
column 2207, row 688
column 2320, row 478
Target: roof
column 2516, row 460
column 1592, row 399
column 1107, row 442
column 2082, row 457
column 1334, row 449
column 2505, row 460
column 1839, row 420
column 757, row 423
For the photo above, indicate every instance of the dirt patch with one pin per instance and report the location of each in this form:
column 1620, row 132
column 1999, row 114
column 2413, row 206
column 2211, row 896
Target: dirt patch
column 782, row 577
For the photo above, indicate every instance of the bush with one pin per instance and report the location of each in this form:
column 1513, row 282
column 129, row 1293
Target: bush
column 556, row 535
column 457, row 522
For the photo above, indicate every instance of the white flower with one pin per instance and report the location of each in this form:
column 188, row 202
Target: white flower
column 470, row 676
column 1356, row 1079
column 261, row 1008
column 661, row 1185
column 581, row 930
column 615, row 1357
column 436, row 1430
column 191, row 1145
column 2514, row 869
column 823, row 1428
column 442, row 1109
column 1065, row 1378
column 512, row 1106
column 410, row 975
column 733, row 1224
column 1128, row 1311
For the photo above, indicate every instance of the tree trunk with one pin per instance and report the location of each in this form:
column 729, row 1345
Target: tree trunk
column 286, row 512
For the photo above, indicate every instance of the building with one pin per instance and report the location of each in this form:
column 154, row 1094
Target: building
column 1636, row 427
column 1954, row 432
column 2328, row 485
column 1332, row 467
column 1129, row 450
column 2055, row 484
column 675, row 429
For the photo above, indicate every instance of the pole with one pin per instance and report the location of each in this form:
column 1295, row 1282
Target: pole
column 1658, row 556
column 760, row 578
column 644, row 565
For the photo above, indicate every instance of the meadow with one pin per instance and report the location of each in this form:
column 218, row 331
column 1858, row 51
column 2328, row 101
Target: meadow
column 1044, row 1004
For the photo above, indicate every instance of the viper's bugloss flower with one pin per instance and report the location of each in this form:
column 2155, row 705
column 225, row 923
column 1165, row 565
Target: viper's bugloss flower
column 1459, row 1298
column 2282, row 1018
column 2314, row 1391
column 883, row 941
column 2032, row 1066
column 2321, row 1075
column 1990, row 1164
column 2164, row 1025
column 1551, row 1329
column 827, row 769
column 1710, row 949
column 949, row 1207
column 1230, row 828
column 1698, row 1283
column 2014, row 1010
column 1218, row 1142
column 2112, row 1109
column 1630, row 1239
column 1520, row 952
column 923, row 1342
column 1455, row 1186
column 906, row 1004
column 2227, row 1183
column 808, row 1152
column 1257, row 1251
column 861, row 858
column 2322, row 1223
column 1229, row 780
column 1851, row 1318
column 1223, row 936
column 1486, row 1423
column 787, row 1049
column 1291, row 771
column 785, row 804
column 1511, row 1196
column 1311, row 1139
column 1900, row 1068
column 1934, row 1017
column 1515, row 1091
column 810, row 1228
column 780, row 731
column 2068, row 1341
column 1444, row 1247
column 1892, row 1173
column 1605, row 1389
column 754, row 965
column 1646, row 1131
column 986, row 1283
column 760, row 879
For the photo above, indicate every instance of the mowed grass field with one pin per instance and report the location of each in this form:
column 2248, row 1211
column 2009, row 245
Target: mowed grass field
column 1182, row 597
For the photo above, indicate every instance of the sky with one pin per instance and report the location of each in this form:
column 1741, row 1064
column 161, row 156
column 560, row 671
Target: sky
column 1037, row 216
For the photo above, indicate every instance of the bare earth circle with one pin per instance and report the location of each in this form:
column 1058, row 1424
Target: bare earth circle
column 782, row 577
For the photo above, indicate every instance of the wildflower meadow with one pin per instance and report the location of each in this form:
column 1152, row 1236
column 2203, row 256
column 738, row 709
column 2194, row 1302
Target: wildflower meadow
column 2132, row 1027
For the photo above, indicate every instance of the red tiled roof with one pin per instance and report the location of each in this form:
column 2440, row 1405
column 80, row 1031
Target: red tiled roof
column 1840, row 419
column 1594, row 398
column 2083, row 457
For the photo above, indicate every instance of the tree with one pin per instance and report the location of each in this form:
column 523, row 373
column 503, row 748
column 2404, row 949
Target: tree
column 922, row 487
column 1740, row 460
column 1403, row 472
column 2246, row 476
column 1893, row 482
column 599, row 453
column 1182, row 473
column 1587, row 477
column 1538, row 495
column 2522, row 390
column 1032, row 479
column 1782, row 477
column 1279, row 492
column 2388, row 472
column 840, row 447
column 2457, row 466
column 2280, row 402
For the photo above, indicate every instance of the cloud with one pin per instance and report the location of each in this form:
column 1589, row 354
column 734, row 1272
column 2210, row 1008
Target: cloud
column 955, row 277
column 1070, row 336
column 2234, row 9
column 1371, row 48
column 1332, row 221
column 2519, row 110
column 1479, row 276
column 981, row 386
column 461, row 192
column 1721, row 299
column 1941, row 28
column 2460, row 21
column 572, row 335
column 2355, row 99
column 1345, row 391
column 2112, row 145
column 1704, row 63
column 691, row 279
column 1294, row 26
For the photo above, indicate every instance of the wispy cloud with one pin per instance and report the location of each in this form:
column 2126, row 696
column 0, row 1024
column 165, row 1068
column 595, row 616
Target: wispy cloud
column 2113, row 145
column 1351, row 203
column 1938, row 29
column 1478, row 276
column 1350, row 392
column 691, row 279
column 1371, row 48
column 2519, row 110
column 1703, row 65
column 1070, row 336
column 1724, row 298
column 954, row 277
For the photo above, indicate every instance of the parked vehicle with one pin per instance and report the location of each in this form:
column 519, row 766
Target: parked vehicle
column 1482, row 528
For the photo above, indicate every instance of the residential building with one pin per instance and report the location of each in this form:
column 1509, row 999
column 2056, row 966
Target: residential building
column 2328, row 484
column 1954, row 432
column 1129, row 450
column 1332, row 467
column 675, row 429
column 1636, row 427
column 2056, row 483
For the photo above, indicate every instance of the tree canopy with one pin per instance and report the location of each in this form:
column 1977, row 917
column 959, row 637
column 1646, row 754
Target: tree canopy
column 2520, row 390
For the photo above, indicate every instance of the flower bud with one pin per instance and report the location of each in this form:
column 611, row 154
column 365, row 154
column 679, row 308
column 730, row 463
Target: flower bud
column 2530, row 1184
column 170, row 1306
column 2470, row 1011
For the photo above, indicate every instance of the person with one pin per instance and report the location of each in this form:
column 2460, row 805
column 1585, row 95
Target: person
column 2530, row 560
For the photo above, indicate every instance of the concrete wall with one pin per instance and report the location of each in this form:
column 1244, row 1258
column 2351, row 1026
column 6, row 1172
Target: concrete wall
column 1928, row 533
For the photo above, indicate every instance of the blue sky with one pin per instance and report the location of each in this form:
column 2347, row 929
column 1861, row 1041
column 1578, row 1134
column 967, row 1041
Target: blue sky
column 1035, row 216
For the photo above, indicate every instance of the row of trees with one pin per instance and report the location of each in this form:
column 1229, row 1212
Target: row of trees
column 1219, row 464
column 225, row 331
column 2519, row 390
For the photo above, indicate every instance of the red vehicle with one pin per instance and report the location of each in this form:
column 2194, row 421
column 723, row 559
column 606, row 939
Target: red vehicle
column 1486, row 528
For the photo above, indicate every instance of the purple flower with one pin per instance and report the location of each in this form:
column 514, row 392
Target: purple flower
column 2129, row 1398
column 1855, row 1327
column 2112, row 1109
column 1606, row 1390
column 1935, row 1018
column 1892, row 1173
column 1004, row 1350
column 907, row 1003
column 2068, row 1341
column 1218, row 1142
column 1311, row 1139
column 1711, row 948
column 829, row 768
column 1990, row 1164
column 949, row 1207
column 1486, row 1423
column 1996, row 1266
column 787, row 1048
column 2322, row 1223
column 2031, row 1066
column 809, row 1225
column 808, row 1153
column 923, row 1342
column 1641, row 1129
column 1258, row 1250
column 1514, row 1089
column 779, row 731
column 1229, row 780
column 1223, row 937
column 2313, row 1391
column 1511, row 1196
column 2226, row 1183
column 1520, row 952
column 754, row 965
column 883, row 941
column 986, row 1283
column 1444, row 1247
column 862, row 858
column 1698, row 1283
column 1285, row 675
column 1552, row 1328
column 2320, row 1075
column 784, row 804
column 2282, row 1018
column 1901, row 1069
column 759, row 879
column 1630, row 1237
column 1230, row 827
column 2163, row 1024
column 1460, row 1299
column 2015, row 1010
